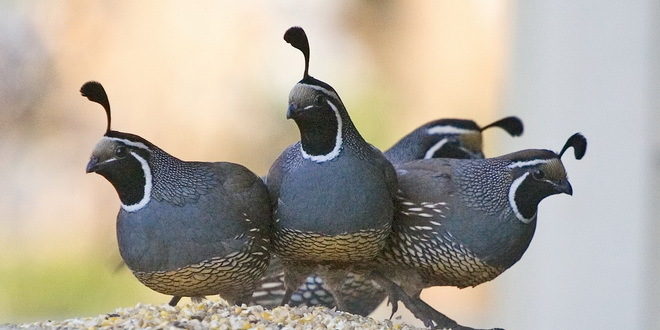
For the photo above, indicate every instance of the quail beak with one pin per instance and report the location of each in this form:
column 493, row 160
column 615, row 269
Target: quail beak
column 92, row 166
column 564, row 187
column 293, row 108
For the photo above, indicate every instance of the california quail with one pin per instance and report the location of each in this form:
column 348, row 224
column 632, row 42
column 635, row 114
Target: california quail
column 442, row 138
column 184, row 228
column 463, row 222
column 447, row 138
column 332, row 192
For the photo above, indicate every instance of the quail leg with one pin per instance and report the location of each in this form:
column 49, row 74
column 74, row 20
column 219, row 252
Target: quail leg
column 423, row 311
column 361, row 295
column 333, row 281
column 197, row 299
column 174, row 301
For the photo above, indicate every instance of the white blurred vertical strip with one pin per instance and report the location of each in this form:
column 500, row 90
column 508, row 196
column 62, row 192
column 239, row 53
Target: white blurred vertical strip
column 585, row 66
column 652, row 303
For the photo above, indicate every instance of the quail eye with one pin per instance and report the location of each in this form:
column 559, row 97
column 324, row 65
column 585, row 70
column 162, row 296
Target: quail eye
column 539, row 175
column 121, row 152
column 319, row 100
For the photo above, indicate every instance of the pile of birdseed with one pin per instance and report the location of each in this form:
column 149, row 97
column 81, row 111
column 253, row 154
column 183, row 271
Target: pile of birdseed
column 219, row 315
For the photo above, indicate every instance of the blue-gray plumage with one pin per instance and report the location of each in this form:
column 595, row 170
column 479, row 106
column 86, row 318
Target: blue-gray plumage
column 443, row 138
column 332, row 192
column 462, row 222
column 184, row 228
column 349, row 193
column 447, row 138
column 165, row 234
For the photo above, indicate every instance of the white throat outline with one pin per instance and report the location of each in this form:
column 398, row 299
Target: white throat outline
column 431, row 151
column 338, row 140
column 512, row 199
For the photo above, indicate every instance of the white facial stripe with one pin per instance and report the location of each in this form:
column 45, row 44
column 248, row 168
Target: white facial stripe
column 338, row 142
column 528, row 163
column 429, row 153
column 512, row 199
column 107, row 161
column 128, row 142
column 319, row 88
column 447, row 129
column 147, row 186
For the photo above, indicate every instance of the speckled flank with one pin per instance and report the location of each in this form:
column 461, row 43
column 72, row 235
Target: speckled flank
column 434, row 252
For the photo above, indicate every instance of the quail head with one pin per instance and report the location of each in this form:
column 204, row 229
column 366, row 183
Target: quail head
column 447, row 138
column 184, row 228
column 462, row 222
column 332, row 192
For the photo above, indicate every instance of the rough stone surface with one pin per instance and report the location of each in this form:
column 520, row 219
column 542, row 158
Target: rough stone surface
column 217, row 315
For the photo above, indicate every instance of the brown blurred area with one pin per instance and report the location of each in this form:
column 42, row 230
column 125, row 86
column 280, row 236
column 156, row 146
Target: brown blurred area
column 208, row 82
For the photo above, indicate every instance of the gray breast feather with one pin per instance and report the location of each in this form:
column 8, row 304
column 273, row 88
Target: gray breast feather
column 165, row 235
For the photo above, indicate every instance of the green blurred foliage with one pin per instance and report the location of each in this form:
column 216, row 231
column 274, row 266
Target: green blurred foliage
column 61, row 288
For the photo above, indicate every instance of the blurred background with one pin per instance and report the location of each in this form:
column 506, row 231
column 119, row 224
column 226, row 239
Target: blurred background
column 210, row 82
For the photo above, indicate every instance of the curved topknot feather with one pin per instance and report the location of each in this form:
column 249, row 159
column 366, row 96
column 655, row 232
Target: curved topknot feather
column 579, row 144
column 512, row 125
column 94, row 92
column 297, row 38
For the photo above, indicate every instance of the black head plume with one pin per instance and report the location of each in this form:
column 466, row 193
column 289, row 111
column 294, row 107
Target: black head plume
column 94, row 92
column 512, row 125
column 297, row 38
column 579, row 144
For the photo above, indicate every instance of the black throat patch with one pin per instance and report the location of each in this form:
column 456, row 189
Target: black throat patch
column 128, row 178
column 529, row 194
column 318, row 131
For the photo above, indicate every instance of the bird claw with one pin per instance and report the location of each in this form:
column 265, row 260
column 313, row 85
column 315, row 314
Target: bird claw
column 423, row 311
column 287, row 297
column 395, row 305
column 431, row 317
